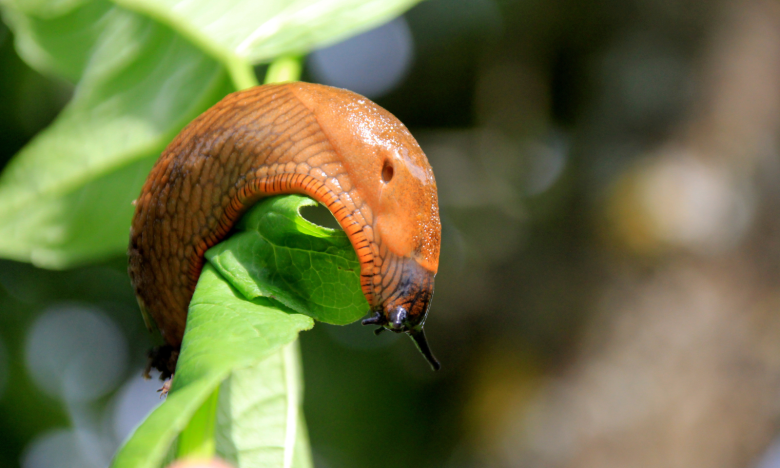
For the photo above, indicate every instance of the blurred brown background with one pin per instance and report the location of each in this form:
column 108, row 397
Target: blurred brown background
column 609, row 290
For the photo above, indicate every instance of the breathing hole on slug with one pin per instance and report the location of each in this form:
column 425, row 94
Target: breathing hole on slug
column 320, row 216
column 387, row 172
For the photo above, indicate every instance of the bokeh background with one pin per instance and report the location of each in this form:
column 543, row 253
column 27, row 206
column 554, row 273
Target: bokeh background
column 609, row 290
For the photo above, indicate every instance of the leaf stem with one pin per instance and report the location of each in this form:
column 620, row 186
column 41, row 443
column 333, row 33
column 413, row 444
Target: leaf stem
column 293, row 382
column 285, row 68
column 197, row 440
column 241, row 73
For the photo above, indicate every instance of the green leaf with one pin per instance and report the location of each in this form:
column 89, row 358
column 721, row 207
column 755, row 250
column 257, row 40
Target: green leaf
column 276, row 253
column 287, row 68
column 259, row 418
column 66, row 197
column 302, row 450
column 225, row 332
column 241, row 341
column 239, row 336
column 55, row 39
column 198, row 439
column 258, row 31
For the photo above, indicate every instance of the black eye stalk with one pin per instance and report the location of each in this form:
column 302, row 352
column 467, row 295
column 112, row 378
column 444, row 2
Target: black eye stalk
column 398, row 322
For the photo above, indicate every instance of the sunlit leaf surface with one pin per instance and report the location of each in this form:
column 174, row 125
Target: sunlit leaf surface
column 261, row 30
column 310, row 269
column 245, row 342
column 66, row 197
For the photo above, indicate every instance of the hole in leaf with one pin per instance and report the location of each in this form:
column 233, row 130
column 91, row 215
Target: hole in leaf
column 320, row 216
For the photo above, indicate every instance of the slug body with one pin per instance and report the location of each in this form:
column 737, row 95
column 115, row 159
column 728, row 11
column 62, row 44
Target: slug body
column 330, row 144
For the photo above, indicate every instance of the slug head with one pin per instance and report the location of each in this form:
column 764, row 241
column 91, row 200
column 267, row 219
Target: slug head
column 406, row 311
column 397, row 195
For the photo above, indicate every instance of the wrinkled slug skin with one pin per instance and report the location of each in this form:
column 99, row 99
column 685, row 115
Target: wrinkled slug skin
column 327, row 143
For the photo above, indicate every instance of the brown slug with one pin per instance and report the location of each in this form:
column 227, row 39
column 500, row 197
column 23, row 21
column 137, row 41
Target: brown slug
column 333, row 145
